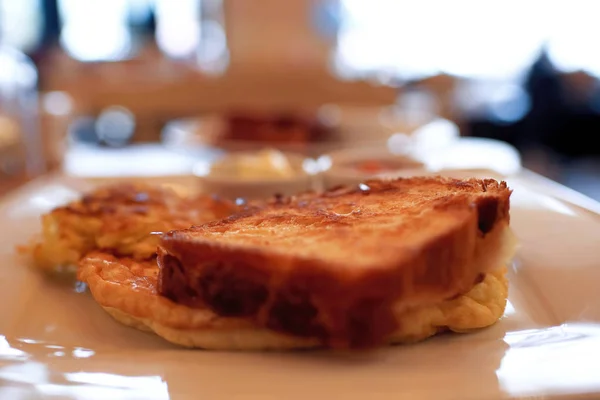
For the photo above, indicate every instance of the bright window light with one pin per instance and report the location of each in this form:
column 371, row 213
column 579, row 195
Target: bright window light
column 95, row 30
column 178, row 27
column 479, row 39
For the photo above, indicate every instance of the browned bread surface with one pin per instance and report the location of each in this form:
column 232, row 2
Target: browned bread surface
column 119, row 218
column 332, row 266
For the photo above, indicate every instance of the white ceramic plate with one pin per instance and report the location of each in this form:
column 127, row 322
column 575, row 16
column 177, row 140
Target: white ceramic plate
column 57, row 343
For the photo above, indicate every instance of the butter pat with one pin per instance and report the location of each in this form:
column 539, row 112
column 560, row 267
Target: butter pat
column 264, row 164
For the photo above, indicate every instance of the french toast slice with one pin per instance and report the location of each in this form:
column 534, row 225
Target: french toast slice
column 122, row 219
column 338, row 266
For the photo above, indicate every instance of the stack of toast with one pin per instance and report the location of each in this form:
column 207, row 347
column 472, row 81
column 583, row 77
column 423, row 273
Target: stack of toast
column 386, row 261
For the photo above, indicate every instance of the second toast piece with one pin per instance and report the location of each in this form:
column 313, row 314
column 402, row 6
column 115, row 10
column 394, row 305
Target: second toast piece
column 337, row 266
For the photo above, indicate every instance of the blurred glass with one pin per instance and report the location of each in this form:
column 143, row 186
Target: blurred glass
column 21, row 24
column 56, row 114
column 178, row 28
column 95, row 30
column 192, row 31
column 21, row 148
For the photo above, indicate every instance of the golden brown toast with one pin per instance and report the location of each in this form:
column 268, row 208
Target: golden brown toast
column 121, row 219
column 338, row 266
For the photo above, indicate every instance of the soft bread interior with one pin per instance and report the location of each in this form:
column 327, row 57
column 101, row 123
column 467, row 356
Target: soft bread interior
column 496, row 248
column 481, row 307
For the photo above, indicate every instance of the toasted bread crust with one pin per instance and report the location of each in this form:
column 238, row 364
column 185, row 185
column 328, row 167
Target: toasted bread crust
column 424, row 240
